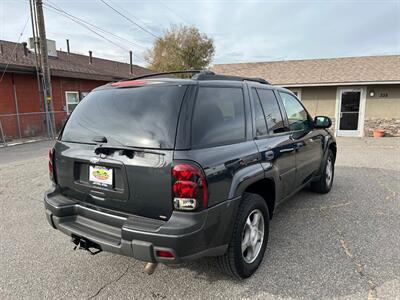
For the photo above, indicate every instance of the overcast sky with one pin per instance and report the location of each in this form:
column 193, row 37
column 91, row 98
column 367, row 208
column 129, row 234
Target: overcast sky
column 243, row 31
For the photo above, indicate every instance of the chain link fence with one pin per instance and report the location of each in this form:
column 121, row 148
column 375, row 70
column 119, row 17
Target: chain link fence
column 25, row 126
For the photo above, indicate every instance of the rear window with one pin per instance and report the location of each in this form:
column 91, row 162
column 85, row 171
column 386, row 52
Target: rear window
column 143, row 117
column 218, row 117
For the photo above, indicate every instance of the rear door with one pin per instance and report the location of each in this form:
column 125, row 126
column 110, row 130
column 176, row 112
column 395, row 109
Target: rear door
column 221, row 139
column 308, row 143
column 273, row 139
column 116, row 149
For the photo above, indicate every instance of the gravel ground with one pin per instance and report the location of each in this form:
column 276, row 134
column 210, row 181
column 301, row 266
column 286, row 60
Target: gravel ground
column 342, row 245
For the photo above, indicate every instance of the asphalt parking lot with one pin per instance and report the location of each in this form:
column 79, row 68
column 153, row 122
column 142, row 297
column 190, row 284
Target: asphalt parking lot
column 342, row 245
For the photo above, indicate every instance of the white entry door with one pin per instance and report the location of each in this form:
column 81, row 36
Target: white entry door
column 350, row 111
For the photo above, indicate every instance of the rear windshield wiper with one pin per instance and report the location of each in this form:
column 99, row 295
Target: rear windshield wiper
column 128, row 151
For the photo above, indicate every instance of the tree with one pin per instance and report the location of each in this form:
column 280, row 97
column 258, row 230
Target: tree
column 181, row 48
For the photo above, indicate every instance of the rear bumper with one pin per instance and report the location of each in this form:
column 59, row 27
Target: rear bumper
column 187, row 235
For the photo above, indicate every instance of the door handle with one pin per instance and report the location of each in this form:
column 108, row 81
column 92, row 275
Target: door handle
column 269, row 155
column 287, row 150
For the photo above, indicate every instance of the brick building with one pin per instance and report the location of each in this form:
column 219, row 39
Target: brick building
column 72, row 75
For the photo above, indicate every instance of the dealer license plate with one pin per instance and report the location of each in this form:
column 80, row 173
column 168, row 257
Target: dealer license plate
column 102, row 176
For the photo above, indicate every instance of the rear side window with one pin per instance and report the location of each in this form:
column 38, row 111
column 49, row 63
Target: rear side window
column 297, row 116
column 218, row 117
column 143, row 117
column 272, row 112
column 261, row 127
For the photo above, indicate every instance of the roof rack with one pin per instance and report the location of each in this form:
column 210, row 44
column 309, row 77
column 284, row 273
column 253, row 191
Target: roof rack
column 203, row 75
column 212, row 76
column 169, row 73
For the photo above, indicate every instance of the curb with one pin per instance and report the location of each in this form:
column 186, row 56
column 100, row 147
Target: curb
column 23, row 142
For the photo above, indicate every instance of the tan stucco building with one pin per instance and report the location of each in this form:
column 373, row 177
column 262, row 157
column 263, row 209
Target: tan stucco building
column 360, row 94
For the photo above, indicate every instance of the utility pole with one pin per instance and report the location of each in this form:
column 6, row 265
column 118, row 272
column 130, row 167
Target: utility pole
column 130, row 62
column 37, row 61
column 45, row 67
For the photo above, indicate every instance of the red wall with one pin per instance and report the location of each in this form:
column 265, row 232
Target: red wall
column 28, row 101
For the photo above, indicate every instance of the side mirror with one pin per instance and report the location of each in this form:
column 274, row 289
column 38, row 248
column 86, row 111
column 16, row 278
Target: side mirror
column 322, row 122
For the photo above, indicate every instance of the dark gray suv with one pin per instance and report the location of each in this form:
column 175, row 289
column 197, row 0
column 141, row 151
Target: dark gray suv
column 170, row 170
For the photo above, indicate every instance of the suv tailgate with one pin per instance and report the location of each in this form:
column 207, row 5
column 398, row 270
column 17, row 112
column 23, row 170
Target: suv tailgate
column 140, row 184
column 124, row 138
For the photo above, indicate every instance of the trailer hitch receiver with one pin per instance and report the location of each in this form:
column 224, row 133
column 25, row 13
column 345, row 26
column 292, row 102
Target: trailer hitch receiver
column 85, row 244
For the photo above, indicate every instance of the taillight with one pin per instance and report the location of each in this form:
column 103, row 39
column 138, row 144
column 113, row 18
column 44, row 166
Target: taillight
column 51, row 164
column 189, row 187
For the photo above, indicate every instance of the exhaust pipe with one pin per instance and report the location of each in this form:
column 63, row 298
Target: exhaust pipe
column 149, row 268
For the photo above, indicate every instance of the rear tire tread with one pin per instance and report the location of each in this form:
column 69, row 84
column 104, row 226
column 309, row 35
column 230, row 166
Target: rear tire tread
column 320, row 186
column 227, row 261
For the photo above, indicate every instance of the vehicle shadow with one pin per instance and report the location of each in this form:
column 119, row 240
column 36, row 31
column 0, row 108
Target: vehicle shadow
column 321, row 245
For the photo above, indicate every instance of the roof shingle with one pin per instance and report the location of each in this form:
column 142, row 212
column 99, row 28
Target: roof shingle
column 319, row 71
column 69, row 65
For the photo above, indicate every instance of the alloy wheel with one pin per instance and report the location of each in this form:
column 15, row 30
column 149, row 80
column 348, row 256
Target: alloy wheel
column 252, row 236
column 329, row 171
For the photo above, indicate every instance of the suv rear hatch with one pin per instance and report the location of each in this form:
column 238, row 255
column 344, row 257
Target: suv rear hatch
column 116, row 149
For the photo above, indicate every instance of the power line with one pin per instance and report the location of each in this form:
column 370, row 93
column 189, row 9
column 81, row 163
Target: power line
column 129, row 19
column 58, row 8
column 72, row 18
column 15, row 47
column 175, row 13
column 128, row 13
column 86, row 24
column 88, row 28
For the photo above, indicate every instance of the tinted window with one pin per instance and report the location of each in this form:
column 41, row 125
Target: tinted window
column 272, row 112
column 218, row 116
column 297, row 116
column 261, row 127
column 140, row 117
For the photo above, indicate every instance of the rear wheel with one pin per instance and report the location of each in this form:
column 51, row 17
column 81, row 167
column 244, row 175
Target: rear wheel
column 249, row 238
column 324, row 184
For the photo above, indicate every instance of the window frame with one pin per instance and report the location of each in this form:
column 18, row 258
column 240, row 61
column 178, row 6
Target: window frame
column 229, row 142
column 283, row 116
column 66, row 100
column 278, row 92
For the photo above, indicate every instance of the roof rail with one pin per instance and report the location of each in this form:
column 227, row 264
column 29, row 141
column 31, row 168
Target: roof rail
column 171, row 73
column 202, row 75
column 213, row 76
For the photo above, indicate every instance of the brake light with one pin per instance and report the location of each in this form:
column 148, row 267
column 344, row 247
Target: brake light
column 51, row 164
column 129, row 82
column 189, row 187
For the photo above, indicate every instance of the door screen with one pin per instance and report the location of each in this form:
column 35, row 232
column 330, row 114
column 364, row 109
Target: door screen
column 349, row 110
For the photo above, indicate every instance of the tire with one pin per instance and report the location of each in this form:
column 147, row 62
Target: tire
column 234, row 262
column 325, row 182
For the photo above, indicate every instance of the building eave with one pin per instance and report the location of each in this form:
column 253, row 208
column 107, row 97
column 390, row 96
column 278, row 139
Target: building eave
column 59, row 73
column 299, row 85
column 77, row 75
column 16, row 69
